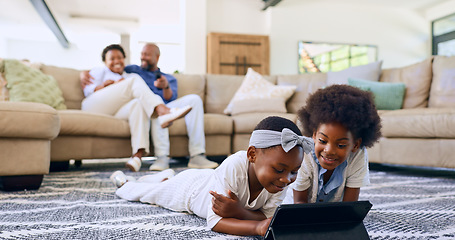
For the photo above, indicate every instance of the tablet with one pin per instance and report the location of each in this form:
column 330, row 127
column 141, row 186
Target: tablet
column 332, row 220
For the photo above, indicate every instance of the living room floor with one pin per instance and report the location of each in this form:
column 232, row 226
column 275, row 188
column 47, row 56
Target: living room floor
column 408, row 203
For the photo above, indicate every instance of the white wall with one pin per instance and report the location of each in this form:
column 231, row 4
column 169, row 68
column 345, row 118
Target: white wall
column 441, row 10
column 237, row 16
column 402, row 36
column 83, row 53
column 195, row 36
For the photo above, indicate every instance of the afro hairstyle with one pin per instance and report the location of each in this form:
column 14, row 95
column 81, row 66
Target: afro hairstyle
column 351, row 107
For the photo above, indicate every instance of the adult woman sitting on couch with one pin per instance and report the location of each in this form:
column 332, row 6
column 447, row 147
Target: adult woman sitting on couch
column 126, row 96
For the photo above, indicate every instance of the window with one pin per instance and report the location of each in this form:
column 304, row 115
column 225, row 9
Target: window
column 325, row 57
column 443, row 36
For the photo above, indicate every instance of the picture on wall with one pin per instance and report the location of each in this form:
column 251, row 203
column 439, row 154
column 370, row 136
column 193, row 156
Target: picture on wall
column 331, row 57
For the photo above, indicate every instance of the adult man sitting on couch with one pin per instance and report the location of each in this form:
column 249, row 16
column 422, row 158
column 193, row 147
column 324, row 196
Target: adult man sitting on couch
column 165, row 85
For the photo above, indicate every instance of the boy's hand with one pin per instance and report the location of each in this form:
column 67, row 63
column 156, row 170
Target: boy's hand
column 262, row 226
column 161, row 82
column 226, row 207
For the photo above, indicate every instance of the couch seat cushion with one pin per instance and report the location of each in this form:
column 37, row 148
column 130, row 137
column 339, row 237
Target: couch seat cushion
column 245, row 123
column 80, row 123
column 419, row 122
column 214, row 124
column 28, row 120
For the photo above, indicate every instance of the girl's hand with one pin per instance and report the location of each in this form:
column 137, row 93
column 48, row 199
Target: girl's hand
column 262, row 226
column 108, row 82
column 105, row 84
column 226, row 207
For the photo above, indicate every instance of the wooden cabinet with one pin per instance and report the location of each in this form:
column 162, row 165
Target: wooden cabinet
column 235, row 53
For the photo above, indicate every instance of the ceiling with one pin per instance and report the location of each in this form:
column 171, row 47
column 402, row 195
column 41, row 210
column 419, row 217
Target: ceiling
column 121, row 16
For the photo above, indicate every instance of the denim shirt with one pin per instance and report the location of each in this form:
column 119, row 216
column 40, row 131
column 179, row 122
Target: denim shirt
column 327, row 191
column 150, row 77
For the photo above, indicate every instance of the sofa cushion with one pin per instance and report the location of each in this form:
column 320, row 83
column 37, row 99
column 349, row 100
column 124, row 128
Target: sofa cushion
column 26, row 84
column 417, row 78
column 191, row 84
column 419, row 123
column 245, row 123
column 221, row 89
column 306, row 84
column 214, row 124
column 28, row 120
column 80, row 123
column 443, row 85
column 387, row 96
column 69, row 83
column 277, row 105
column 370, row 72
column 254, row 86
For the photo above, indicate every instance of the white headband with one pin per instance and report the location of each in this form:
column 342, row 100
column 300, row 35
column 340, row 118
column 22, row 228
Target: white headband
column 286, row 138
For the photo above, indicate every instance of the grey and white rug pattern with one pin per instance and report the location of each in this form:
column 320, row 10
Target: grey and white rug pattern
column 81, row 204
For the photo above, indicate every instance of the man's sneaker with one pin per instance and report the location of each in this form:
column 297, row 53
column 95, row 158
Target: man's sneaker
column 174, row 114
column 157, row 177
column 200, row 161
column 118, row 178
column 134, row 164
column 160, row 164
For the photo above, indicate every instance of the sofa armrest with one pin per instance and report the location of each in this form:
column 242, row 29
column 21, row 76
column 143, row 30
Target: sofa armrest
column 28, row 120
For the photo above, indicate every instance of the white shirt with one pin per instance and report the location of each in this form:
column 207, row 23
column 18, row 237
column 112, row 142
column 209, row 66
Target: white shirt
column 102, row 74
column 355, row 175
column 232, row 175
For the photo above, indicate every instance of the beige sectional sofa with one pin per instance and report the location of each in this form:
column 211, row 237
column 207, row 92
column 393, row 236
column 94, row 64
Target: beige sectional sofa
column 420, row 134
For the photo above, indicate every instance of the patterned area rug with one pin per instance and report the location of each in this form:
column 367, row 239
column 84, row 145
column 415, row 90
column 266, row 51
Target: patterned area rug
column 80, row 204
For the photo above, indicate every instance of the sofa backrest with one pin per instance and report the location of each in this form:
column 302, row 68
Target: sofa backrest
column 221, row 88
column 69, row 83
column 306, row 84
column 417, row 78
column 191, row 84
column 442, row 92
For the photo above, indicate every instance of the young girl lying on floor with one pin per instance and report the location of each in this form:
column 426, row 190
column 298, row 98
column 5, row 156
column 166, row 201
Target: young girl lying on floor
column 343, row 121
column 239, row 196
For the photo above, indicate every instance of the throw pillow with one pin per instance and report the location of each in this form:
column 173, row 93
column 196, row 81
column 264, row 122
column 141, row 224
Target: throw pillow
column 26, row 84
column 387, row 96
column 370, row 72
column 254, row 86
column 3, row 89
